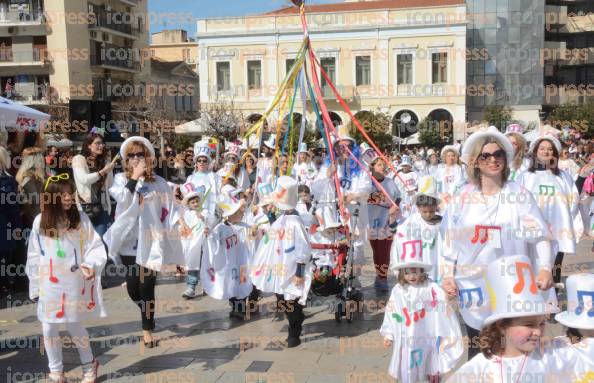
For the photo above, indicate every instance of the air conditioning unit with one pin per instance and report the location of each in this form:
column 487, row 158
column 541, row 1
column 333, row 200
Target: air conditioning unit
column 12, row 30
column 94, row 36
column 107, row 38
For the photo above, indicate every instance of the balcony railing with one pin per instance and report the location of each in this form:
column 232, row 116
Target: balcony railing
column 130, row 2
column 6, row 54
column 115, row 21
column 108, row 56
column 21, row 18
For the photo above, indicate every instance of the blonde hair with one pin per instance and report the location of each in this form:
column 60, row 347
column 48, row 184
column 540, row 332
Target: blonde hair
column 32, row 165
column 472, row 171
column 445, row 152
column 4, row 159
column 522, row 147
column 148, row 176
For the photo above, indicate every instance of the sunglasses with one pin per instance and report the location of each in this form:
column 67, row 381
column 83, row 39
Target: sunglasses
column 202, row 161
column 136, row 155
column 498, row 155
column 59, row 177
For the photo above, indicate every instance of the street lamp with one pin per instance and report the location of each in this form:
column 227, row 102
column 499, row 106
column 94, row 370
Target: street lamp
column 405, row 119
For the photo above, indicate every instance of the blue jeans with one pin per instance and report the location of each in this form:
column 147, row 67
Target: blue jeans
column 192, row 278
column 101, row 223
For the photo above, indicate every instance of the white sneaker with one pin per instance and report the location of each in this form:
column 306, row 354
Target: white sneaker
column 190, row 293
column 56, row 377
column 90, row 372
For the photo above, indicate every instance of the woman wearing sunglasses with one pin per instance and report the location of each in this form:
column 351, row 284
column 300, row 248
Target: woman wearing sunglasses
column 488, row 219
column 556, row 195
column 142, row 235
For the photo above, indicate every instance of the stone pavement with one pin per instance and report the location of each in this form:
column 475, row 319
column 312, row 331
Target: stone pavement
column 200, row 343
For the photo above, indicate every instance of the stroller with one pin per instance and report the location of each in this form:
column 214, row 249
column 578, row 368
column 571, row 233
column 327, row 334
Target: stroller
column 334, row 275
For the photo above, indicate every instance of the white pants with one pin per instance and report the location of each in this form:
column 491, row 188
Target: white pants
column 53, row 343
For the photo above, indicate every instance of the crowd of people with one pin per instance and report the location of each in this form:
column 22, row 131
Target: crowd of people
column 473, row 232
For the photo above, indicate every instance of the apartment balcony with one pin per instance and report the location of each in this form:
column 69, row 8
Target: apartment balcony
column 9, row 57
column 132, row 3
column 119, row 23
column 26, row 18
column 109, row 59
column 579, row 24
column 348, row 93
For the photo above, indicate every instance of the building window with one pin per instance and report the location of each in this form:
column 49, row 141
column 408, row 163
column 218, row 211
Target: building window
column 404, row 73
column 329, row 66
column 254, row 68
column 223, row 76
column 289, row 64
column 152, row 53
column 439, row 67
column 363, row 70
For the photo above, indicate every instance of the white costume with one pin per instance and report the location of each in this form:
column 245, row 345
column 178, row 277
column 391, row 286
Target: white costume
column 570, row 167
column 417, row 318
column 225, row 268
column 358, row 184
column 514, row 173
column 407, row 183
column 450, row 178
column 418, row 236
column 192, row 244
column 557, row 198
column 378, row 212
column 477, row 232
column 147, row 229
column 307, row 216
column 209, row 183
column 275, row 261
column 305, row 173
column 53, row 268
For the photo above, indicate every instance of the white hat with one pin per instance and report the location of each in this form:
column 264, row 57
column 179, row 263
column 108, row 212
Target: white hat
column 201, row 149
column 190, row 191
column 580, row 292
column 514, row 128
column 427, row 187
column 491, row 132
column 227, row 170
column 405, row 160
column 232, row 150
column 327, row 217
column 139, row 139
column 549, row 135
column 285, row 195
column 409, row 253
column 228, row 205
column 449, row 148
column 270, row 142
column 369, row 156
column 302, row 148
column 264, row 191
column 512, row 290
column 231, row 191
column 430, row 152
column 364, row 148
column 343, row 134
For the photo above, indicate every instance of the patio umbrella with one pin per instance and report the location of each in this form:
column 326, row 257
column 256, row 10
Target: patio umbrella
column 15, row 115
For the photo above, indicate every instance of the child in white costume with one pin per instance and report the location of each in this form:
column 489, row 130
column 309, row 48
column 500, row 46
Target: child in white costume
column 193, row 239
column 282, row 264
column 579, row 320
column 407, row 182
column 64, row 256
column 304, row 170
column 510, row 337
column 420, row 232
column 418, row 322
column 328, row 244
column 224, row 271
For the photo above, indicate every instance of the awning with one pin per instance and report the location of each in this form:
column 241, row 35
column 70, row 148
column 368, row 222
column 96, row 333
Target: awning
column 15, row 115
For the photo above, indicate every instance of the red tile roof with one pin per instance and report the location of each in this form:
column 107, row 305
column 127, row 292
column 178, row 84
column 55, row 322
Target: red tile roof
column 365, row 6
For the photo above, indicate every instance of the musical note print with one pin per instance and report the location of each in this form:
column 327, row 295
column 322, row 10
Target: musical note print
column 468, row 293
column 478, row 229
column 546, row 190
column 414, row 244
column 580, row 308
column 519, row 286
column 416, row 357
column 60, row 314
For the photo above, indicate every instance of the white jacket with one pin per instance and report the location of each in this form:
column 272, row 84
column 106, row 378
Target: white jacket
column 84, row 180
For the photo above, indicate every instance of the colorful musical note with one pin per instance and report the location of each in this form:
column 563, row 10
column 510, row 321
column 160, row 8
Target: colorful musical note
column 164, row 213
column 376, row 223
column 74, row 267
column 211, row 274
column 60, row 314
column 231, row 241
column 290, row 249
column 40, row 247
column 416, row 357
column 60, row 253
column 485, row 230
column 546, row 190
column 429, row 245
column 414, row 244
column 580, row 308
column 468, row 293
column 91, row 304
column 519, row 286
column 52, row 277
column 433, row 298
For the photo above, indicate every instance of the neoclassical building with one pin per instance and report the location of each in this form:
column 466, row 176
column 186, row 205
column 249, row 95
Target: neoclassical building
column 406, row 58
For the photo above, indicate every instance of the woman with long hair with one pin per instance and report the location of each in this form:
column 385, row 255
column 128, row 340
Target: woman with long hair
column 450, row 175
column 557, row 197
column 93, row 176
column 143, row 236
column 30, row 177
column 520, row 162
column 490, row 218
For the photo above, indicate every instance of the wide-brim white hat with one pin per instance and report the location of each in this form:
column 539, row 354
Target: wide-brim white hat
column 232, row 150
column 514, row 128
column 408, row 252
column 513, row 292
column 405, row 161
column 264, row 192
column 190, row 191
column 303, row 148
column 231, row 191
column 491, row 132
column 228, row 205
column 549, row 136
column 270, row 142
column 449, row 148
column 430, row 152
column 201, row 149
column 140, row 140
column 580, row 302
column 427, row 187
column 285, row 195
column 343, row 135
column 327, row 217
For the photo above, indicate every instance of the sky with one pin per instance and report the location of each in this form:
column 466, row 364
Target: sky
column 182, row 14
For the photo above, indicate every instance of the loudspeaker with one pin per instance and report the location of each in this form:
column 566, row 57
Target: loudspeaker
column 81, row 114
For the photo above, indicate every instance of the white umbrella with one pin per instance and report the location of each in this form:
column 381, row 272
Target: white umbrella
column 59, row 143
column 15, row 115
column 412, row 139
